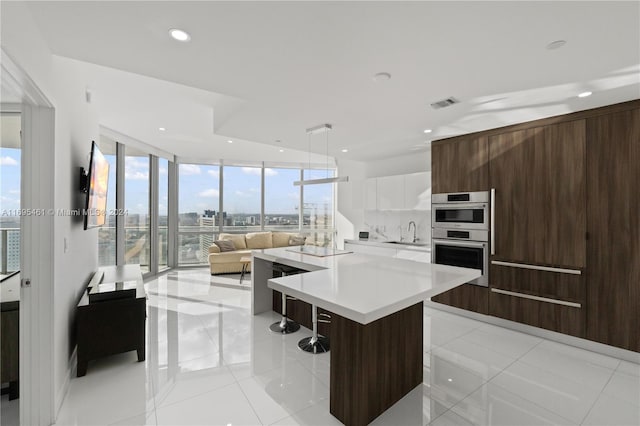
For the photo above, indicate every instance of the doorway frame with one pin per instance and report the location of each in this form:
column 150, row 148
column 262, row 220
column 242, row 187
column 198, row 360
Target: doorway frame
column 37, row 194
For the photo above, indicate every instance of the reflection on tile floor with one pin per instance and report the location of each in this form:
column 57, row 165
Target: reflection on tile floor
column 210, row 362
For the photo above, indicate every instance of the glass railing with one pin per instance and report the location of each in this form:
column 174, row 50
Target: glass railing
column 9, row 251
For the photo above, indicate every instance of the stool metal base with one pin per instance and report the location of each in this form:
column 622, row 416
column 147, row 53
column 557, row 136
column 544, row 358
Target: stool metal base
column 315, row 345
column 284, row 326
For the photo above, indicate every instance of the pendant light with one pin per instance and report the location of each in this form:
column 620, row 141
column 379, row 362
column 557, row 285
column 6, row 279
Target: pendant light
column 322, row 128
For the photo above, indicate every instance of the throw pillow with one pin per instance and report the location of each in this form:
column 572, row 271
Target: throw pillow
column 296, row 241
column 225, row 245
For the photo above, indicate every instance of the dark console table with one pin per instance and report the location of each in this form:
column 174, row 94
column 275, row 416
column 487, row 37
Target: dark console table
column 112, row 320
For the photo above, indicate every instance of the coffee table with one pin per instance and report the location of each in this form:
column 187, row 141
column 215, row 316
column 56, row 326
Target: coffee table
column 246, row 261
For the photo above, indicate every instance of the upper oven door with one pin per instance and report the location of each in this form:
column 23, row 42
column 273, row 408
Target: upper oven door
column 459, row 215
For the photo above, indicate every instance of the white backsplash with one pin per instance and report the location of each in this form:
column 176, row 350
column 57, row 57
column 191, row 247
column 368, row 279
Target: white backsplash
column 393, row 225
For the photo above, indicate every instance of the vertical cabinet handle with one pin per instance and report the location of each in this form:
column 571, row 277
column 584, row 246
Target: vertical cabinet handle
column 493, row 221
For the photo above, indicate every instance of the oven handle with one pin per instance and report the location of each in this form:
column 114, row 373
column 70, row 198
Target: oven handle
column 458, row 243
column 459, row 206
column 493, row 221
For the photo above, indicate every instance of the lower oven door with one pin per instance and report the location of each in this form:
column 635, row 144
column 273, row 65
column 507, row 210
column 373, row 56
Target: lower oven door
column 465, row 254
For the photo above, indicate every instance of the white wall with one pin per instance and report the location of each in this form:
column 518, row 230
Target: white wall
column 76, row 125
column 350, row 200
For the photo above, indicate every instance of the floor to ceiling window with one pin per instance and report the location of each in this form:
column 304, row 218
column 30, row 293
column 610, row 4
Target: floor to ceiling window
column 107, row 232
column 163, row 213
column 242, row 198
column 281, row 199
column 318, row 209
column 10, row 157
column 198, row 211
column 136, row 205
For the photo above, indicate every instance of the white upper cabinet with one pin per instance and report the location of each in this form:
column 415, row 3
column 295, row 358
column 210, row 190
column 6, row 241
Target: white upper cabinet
column 401, row 192
column 391, row 193
column 371, row 194
column 417, row 191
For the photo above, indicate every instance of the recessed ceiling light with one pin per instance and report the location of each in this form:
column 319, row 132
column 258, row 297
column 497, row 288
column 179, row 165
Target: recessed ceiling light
column 281, row 150
column 230, row 141
column 345, row 150
column 584, row 94
column 278, row 141
column 556, row 44
column 428, row 130
column 179, row 35
column 162, row 129
column 381, row 76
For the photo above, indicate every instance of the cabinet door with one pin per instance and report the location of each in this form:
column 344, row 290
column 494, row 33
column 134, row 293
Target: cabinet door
column 391, row 193
column 539, row 178
column 460, row 165
column 613, row 248
column 416, row 191
column 551, row 300
column 467, row 296
column 371, row 194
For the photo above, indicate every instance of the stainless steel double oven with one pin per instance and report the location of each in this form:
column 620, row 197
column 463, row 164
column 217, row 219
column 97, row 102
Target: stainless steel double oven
column 460, row 231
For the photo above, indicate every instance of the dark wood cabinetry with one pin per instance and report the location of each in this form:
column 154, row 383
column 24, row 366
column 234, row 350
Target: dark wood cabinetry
column 568, row 197
column 460, row 164
column 546, row 299
column 467, row 296
column 539, row 180
column 613, row 248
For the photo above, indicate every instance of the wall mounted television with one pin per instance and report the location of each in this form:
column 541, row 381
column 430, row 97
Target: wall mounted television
column 98, row 180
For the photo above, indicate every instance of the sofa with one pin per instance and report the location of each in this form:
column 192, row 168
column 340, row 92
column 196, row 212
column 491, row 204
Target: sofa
column 227, row 262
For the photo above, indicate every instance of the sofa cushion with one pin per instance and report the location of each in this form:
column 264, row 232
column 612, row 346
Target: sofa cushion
column 238, row 240
column 259, row 240
column 281, row 239
column 225, row 245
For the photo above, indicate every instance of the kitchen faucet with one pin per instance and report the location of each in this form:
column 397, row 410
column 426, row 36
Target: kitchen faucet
column 414, row 230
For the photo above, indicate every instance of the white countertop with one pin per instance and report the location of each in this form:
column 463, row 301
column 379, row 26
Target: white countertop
column 387, row 244
column 362, row 287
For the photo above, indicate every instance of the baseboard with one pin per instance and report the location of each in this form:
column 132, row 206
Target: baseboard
column 578, row 342
column 64, row 389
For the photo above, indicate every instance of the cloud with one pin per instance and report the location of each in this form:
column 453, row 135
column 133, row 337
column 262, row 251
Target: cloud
column 14, row 191
column 162, row 170
column 8, row 161
column 190, row 169
column 135, row 175
column 257, row 171
column 209, row 193
column 214, row 173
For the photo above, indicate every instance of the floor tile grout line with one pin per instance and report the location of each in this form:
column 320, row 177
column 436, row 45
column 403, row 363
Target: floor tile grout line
column 250, row 404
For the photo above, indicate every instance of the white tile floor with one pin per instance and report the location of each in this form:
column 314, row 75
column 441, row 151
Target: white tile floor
column 209, row 362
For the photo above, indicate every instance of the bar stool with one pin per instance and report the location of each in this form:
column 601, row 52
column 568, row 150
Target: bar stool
column 316, row 344
column 285, row 325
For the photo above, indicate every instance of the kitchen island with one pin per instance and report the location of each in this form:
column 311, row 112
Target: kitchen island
column 376, row 306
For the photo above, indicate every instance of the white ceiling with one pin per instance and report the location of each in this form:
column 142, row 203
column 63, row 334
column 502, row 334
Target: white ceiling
column 266, row 71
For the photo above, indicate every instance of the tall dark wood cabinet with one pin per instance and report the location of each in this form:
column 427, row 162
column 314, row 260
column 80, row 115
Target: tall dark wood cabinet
column 458, row 165
column 539, row 180
column 613, row 223
column 567, row 221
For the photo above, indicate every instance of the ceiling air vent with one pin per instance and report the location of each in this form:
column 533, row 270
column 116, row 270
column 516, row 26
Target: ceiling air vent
column 445, row 103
